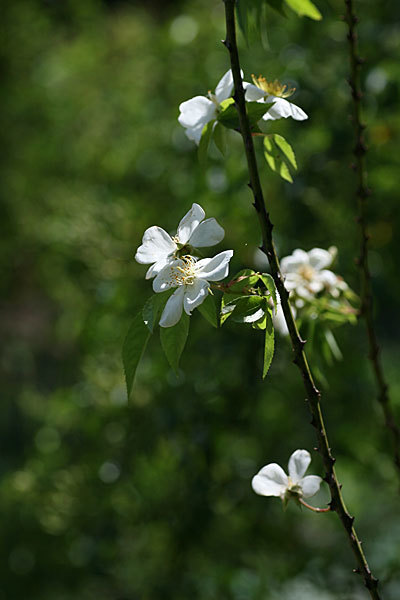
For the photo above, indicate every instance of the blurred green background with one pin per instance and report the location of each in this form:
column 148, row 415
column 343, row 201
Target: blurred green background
column 151, row 499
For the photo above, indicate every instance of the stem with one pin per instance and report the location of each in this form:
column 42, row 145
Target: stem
column 313, row 395
column 362, row 194
column 313, row 508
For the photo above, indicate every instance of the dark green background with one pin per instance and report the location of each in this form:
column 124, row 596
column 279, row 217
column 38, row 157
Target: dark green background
column 151, row 499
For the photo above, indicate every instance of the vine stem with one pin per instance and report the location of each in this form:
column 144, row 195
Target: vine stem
column 362, row 193
column 313, row 395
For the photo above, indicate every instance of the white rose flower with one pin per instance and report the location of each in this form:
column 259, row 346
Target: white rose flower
column 273, row 91
column 200, row 110
column 159, row 248
column 191, row 278
column 306, row 273
column 272, row 480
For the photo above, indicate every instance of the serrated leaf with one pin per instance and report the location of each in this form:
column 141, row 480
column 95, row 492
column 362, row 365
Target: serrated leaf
column 279, row 154
column 173, row 340
column 269, row 283
column 219, row 137
column 153, row 307
column 209, row 310
column 269, row 345
column 305, row 8
column 205, row 140
column 133, row 348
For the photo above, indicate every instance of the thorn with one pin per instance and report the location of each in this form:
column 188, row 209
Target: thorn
column 357, row 571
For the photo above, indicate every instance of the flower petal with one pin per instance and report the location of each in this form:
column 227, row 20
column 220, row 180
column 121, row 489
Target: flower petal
column 271, row 480
column 310, row 485
column 173, row 309
column 298, row 464
column 319, row 258
column 195, row 133
column 292, row 263
column 168, row 276
column 224, row 87
column 158, row 266
column 216, row 268
column 195, row 294
column 156, row 244
column 196, row 111
column 283, row 109
column 189, row 223
column 207, row 233
column 252, row 92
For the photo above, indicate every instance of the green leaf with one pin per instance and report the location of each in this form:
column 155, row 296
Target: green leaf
column 219, row 137
column 279, row 154
column 256, row 110
column 205, row 140
column 304, row 8
column 244, row 279
column 269, row 344
column 173, row 340
column 269, row 283
column 229, row 117
column 248, row 309
column 278, row 6
column 209, row 310
column 133, row 348
column 153, row 308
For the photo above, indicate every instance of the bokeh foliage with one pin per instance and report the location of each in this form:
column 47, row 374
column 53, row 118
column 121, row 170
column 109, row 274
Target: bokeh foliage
column 151, row 499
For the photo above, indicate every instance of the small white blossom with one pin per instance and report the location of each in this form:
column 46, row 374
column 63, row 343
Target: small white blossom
column 272, row 480
column 200, row 110
column 273, row 91
column 306, row 274
column 159, row 248
column 191, row 278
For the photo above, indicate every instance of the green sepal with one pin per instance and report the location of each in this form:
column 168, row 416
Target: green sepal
column 173, row 340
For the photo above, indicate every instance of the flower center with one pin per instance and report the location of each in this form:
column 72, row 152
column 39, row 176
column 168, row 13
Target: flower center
column 274, row 88
column 307, row 272
column 185, row 274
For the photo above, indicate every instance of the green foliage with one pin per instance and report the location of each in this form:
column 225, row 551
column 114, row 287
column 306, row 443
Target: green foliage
column 209, row 310
column 132, row 350
column 229, row 117
column 173, row 340
column 205, row 140
column 279, row 155
column 304, row 8
column 269, row 343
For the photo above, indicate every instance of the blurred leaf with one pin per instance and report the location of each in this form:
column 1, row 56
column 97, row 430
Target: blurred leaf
column 279, row 154
column 305, row 8
column 209, row 310
column 269, row 344
column 133, row 348
column 278, row 6
column 173, row 340
column 205, row 140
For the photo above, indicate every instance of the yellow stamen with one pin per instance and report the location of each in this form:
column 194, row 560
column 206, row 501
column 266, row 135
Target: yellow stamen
column 274, row 88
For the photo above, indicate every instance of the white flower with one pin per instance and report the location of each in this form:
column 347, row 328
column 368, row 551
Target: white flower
column 306, row 273
column 200, row 110
column 273, row 91
column 191, row 278
column 272, row 480
column 159, row 248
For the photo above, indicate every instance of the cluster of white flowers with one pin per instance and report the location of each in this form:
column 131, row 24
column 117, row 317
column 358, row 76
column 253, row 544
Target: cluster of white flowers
column 306, row 275
column 200, row 110
column 272, row 480
column 174, row 266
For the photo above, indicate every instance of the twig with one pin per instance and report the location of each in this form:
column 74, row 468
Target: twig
column 313, row 395
column 362, row 194
column 314, row 508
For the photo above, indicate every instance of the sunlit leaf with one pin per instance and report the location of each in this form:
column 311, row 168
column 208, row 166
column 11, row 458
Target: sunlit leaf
column 279, row 155
column 269, row 283
column 269, row 344
column 304, row 8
